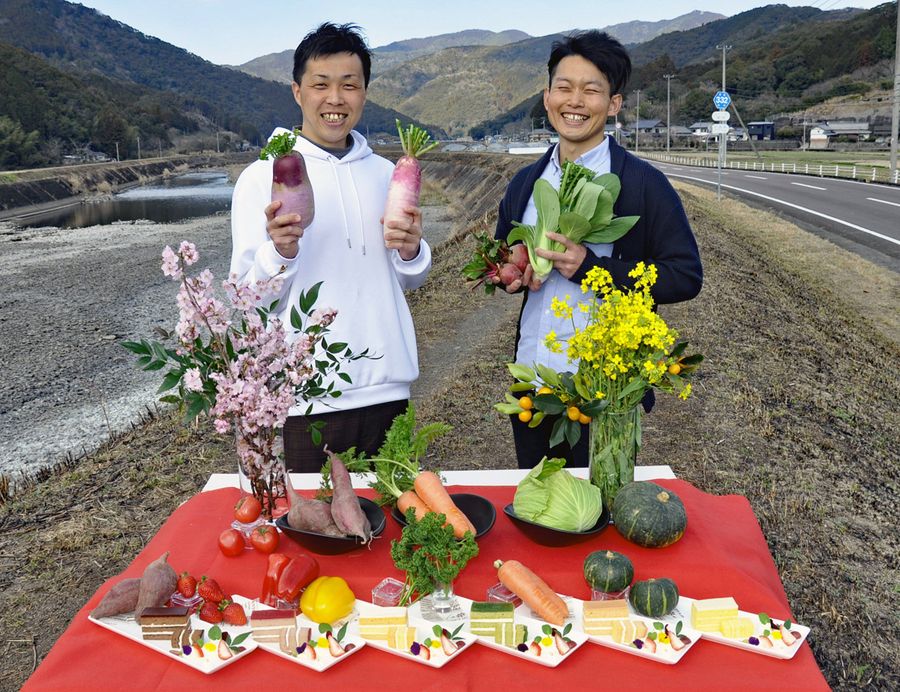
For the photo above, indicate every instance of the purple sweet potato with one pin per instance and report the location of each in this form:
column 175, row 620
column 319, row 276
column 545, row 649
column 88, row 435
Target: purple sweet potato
column 121, row 598
column 309, row 515
column 345, row 509
column 158, row 582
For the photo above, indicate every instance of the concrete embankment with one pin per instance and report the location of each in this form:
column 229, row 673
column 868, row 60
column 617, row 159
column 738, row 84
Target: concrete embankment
column 24, row 192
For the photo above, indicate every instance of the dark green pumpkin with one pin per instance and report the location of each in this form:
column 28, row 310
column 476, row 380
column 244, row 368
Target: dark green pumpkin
column 608, row 571
column 649, row 515
column 654, row 598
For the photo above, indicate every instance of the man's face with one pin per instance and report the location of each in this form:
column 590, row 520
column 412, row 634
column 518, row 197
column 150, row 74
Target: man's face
column 578, row 103
column 331, row 95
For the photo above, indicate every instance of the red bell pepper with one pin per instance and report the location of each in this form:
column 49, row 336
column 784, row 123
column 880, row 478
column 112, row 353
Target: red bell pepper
column 277, row 563
column 297, row 575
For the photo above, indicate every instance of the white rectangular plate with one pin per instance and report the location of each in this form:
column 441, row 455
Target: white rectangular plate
column 426, row 637
column 206, row 660
column 778, row 649
column 324, row 659
column 542, row 647
column 658, row 648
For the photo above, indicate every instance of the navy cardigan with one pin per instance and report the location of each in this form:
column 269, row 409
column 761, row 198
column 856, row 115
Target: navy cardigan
column 662, row 235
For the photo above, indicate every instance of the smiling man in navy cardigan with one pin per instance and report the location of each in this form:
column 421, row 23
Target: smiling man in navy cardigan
column 588, row 73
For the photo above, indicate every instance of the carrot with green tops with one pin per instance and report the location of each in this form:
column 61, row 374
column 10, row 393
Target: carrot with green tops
column 432, row 492
column 410, row 499
column 533, row 590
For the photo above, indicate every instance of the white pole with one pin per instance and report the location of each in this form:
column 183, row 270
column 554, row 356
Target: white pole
column 895, row 112
column 668, row 78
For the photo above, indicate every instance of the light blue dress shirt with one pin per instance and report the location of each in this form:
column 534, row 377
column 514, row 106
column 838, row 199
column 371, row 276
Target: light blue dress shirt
column 537, row 318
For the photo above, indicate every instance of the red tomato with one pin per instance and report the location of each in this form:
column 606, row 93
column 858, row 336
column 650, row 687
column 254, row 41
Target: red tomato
column 231, row 542
column 247, row 509
column 264, row 538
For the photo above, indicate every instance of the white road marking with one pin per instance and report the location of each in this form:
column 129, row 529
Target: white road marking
column 814, row 187
column 797, row 206
column 758, row 177
column 883, row 201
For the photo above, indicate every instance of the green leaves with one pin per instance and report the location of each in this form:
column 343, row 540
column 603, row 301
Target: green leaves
column 279, row 145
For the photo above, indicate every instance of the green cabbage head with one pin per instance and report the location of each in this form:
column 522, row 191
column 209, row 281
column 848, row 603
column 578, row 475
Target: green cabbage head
column 553, row 497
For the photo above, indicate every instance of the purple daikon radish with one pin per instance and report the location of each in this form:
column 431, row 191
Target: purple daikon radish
column 406, row 181
column 290, row 184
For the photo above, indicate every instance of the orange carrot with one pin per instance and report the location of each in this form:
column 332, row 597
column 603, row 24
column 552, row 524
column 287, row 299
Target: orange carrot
column 410, row 499
column 432, row 492
column 533, row 590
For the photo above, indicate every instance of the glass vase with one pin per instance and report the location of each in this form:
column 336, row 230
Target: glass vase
column 261, row 466
column 615, row 439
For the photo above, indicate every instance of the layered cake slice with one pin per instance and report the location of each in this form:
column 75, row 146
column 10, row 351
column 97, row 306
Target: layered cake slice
column 268, row 625
column 598, row 616
column 737, row 628
column 497, row 621
column 163, row 623
column 382, row 627
column 707, row 615
column 626, row 631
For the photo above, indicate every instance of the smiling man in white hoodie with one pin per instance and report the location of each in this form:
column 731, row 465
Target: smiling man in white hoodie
column 364, row 268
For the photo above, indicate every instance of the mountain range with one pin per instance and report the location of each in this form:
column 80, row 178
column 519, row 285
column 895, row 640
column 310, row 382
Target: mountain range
column 72, row 76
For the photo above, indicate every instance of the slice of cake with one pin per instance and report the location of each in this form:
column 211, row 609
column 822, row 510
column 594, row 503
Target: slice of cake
column 495, row 620
column 268, row 625
column 163, row 623
column 737, row 628
column 382, row 627
column 401, row 637
column 598, row 616
column 707, row 615
column 626, row 631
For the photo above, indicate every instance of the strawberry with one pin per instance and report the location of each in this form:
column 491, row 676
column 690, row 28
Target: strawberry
column 187, row 585
column 210, row 613
column 210, row 590
column 233, row 613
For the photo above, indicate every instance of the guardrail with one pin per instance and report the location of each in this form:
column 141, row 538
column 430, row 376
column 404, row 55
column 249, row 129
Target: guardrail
column 871, row 174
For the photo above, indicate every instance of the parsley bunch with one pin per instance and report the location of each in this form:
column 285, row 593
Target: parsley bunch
column 429, row 554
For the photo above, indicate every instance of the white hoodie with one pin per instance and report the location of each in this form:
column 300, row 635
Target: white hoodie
column 343, row 248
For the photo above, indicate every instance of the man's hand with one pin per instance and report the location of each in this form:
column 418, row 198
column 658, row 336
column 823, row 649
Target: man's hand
column 284, row 230
column 567, row 262
column 404, row 235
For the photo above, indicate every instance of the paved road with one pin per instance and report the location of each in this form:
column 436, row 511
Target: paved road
column 861, row 217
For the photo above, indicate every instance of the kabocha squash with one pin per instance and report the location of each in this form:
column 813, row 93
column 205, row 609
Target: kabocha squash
column 608, row 571
column 654, row 598
column 649, row 515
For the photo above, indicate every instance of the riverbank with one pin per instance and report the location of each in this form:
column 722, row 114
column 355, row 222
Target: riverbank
column 41, row 190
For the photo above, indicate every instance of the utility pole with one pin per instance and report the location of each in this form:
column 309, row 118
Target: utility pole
column 637, row 119
column 139, row 148
column 117, row 151
column 723, row 137
column 668, row 78
column 895, row 113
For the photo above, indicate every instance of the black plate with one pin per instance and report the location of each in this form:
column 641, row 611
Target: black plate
column 477, row 509
column 334, row 545
column 555, row 538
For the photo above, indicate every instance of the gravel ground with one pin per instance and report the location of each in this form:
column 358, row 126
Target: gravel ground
column 71, row 296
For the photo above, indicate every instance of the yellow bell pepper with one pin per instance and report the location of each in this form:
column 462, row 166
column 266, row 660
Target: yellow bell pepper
column 327, row 599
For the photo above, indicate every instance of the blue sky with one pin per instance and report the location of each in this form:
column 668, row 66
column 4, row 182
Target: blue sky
column 235, row 31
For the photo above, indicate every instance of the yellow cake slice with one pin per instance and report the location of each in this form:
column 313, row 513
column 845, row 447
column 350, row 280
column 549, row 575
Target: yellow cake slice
column 737, row 628
column 707, row 615
column 626, row 631
column 381, row 627
column 401, row 637
column 598, row 616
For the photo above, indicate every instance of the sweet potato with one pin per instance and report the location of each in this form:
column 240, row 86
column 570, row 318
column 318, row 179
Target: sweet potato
column 309, row 515
column 158, row 582
column 345, row 508
column 121, row 598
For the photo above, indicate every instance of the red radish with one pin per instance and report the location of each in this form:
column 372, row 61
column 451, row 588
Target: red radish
column 509, row 273
column 406, row 180
column 290, row 183
column 518, row 255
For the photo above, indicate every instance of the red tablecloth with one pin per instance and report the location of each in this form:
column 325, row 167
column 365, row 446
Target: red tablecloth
column 723, row 552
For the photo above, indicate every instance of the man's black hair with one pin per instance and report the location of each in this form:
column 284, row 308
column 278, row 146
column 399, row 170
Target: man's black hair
column 598, row 47
column 329, row 39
